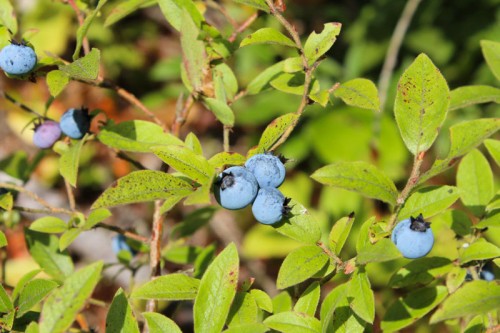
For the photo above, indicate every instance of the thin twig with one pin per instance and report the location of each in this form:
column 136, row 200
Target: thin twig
column 30, row 210
column 81, row 20
column 181, row 115
column 71, row 195
column 224, row 12
column 243, row 27
column 410, row 185
column 332, row 255
column 35, row 197
column 125, row 233
column 155, row 249
column 19, row 104
column 226, row 131
column 125, row 157
column 393, row 50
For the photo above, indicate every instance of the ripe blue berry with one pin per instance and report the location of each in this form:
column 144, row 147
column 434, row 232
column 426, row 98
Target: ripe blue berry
column 75, row 123
column 46, row 134
column 413, row 237
column 267, row 169
column 119, row 243
column 270, row 206
column 235, row 188
column 17, row 59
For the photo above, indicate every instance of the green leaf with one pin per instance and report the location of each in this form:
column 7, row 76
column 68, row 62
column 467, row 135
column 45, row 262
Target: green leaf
column 493, row 147
column 299, row 225
column 192, row 222
column 492, row 219
column 217, row 291
column 267, row 36
column 421, row 104
column 70, row 160
column 420, row 272
column 475, row 297
column 383, row 250
column 22, row 282
column 339, row 233
column 405, row 311
column 243, row 310
column 5, row 302
column 309, row 300
column 7, row 201
column 173, row 12
column 141, row 186
column 85, row 68
column 491, row 51
column 8, row 16
column 336, row 314
column 318, row 44
column 223, row 159
column 475, row 181
column 33, row 292
column 259, row 4
column 181, row 255
column 84, row 28
column 282, row 302
column 293, row 322
column 301, row 264
column 293, row 65
column 322, row 97
column 49, row 224
column 273, row 132
column 225, row 82
column 361, row 294
column 429, row 201
column 63, row 305
column 221, row 111
column 455, row 278
column 136, row 136
column 120, row 317
column 248, row 328
column 170, row 287
column 68, row 237
column 16, row 165
column 360, row 177
column 193, row 143
column 261, row 81
column 293, row 83
column 479, row 250
column 96, row 216
column 3, row 239
column 158, row 323
column 57, row 80
column 32, row 328
column 186, row 161
column 262, row 299
column 464, row 137
column 44, row 249
column 333, row 300
column 193, row 51
column 471, row 95
column 361, row 93
column 125, row 8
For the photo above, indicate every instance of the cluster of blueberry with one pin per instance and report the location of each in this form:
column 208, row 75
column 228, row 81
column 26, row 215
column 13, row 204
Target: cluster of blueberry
column 256, row 183
column 74, row 123
column 17, row 59
column 413, row 237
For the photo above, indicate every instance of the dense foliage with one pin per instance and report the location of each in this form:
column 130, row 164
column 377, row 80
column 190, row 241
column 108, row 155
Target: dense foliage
column 149, row 115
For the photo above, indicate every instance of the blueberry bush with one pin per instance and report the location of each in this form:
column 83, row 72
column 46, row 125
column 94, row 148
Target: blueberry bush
column 160, row 132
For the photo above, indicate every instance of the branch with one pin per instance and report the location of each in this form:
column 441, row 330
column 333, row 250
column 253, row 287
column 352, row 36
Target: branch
column 19, row 104
column 155, row 250
column 125, row 233
column 181, row 114
column 81, row 19
column 410, row 185
column 243, row 26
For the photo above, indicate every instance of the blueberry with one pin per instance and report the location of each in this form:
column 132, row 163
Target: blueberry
column 267, row 169
column 413, row 237
column 17, row 59
column 235, row 188
column 75, row 123
column 270, row 206
column 119, row 243
column 46, row 134
column 487, row 275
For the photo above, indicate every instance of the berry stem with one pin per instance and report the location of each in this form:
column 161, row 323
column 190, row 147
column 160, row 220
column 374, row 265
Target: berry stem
column 126, row 233
column 410, row 185
column 71, row 195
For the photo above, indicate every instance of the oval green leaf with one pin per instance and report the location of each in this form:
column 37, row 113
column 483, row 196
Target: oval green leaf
column 158, row 323
column 429, row 201
column 140, row 186
column 120, row 317
column 318, row 44
column 171, row 287
column 267, row 36
column 299, row 225
column 421, row 104
column 49, row 224
column 221, row 111
column 217, row 291
column 360, row 177
column 301, row 264
column 33, row 292
column 361, row 93
column 293, row 322
column 471, row 95
column 479, row 250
